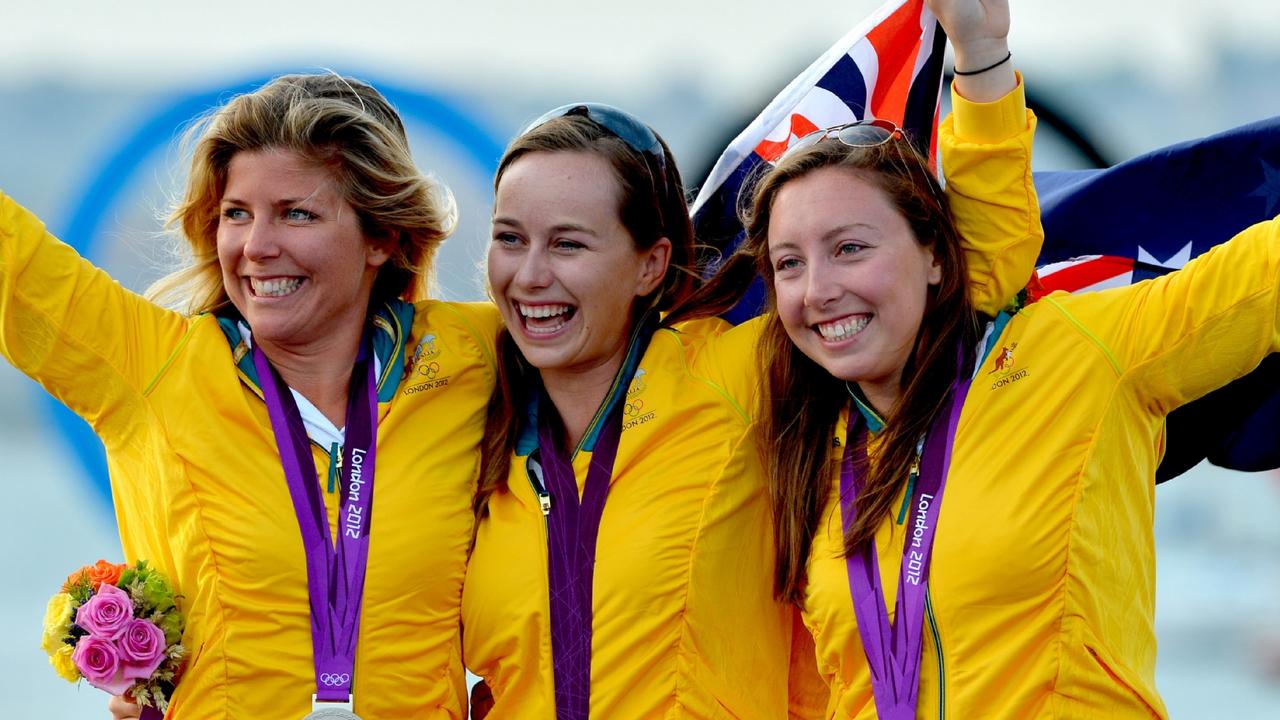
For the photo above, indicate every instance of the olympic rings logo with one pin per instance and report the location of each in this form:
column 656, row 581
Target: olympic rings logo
column 335, row 679
column 430, row 370
column 633, row 408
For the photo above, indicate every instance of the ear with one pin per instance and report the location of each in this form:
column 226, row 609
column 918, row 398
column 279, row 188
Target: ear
column 935, row 268
column 653, row 267
column 378, row 251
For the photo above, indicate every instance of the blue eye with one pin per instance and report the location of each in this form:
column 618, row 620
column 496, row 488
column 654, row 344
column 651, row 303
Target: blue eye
column 563, row 244
column 235, row 213
column 788, row 263
column 299, row 215
column 848, row 248
column 506, row 238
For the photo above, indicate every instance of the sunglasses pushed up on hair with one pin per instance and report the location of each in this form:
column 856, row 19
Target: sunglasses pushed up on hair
column 869, row 133
column 624, row 126
column 860, row 134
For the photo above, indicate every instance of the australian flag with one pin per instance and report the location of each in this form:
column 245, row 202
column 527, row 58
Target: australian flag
column 1151, row 215
column 889, row 67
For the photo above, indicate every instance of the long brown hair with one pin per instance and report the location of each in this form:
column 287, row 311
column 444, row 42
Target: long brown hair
column 648, row 209
column 341, row 124
column 803, row 402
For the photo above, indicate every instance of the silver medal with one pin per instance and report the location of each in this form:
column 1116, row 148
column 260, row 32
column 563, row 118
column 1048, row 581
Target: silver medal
column 331, row 710
column 333, row 713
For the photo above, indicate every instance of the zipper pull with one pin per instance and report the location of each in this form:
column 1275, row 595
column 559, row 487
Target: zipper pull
column 335, row 464
column 544, row 502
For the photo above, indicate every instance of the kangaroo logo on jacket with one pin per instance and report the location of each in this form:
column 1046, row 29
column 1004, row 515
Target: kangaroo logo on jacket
column 425, row 371
column 634, row 410
column 1005, row 368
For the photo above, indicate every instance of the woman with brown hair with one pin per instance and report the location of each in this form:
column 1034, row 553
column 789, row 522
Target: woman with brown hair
column 296, row 347
column 623, row 562
column 991, row 482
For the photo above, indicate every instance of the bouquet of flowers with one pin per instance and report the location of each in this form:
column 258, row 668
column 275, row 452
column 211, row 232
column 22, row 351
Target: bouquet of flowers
column 117, row 626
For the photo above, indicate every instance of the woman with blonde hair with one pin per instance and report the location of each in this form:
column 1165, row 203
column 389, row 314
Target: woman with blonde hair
column 249, row 432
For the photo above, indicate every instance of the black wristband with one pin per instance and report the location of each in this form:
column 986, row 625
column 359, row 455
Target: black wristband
column 992, row 66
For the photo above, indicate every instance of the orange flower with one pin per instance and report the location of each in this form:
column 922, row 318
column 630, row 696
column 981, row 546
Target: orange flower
column 96, row 574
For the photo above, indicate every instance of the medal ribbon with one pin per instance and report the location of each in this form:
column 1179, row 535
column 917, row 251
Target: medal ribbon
column 572, row 530
column 335, row 573
column 893, row 650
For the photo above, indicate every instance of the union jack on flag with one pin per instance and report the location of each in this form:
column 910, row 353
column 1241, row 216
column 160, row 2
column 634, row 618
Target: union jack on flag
column 888, row 67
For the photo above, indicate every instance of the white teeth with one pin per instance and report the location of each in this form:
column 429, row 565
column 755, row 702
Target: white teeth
column 278, row 287
column 542, row 311
column 544, row 319
column 843, row 329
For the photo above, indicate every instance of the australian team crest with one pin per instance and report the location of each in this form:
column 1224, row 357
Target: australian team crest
column 1004, row 367
column 424, row 370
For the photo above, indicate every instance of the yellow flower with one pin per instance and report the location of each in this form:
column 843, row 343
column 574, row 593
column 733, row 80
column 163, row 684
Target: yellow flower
column 57, row 622
column 64, row 665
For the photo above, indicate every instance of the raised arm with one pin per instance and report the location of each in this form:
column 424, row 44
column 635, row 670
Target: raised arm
column 65, row 323
column 986, row 153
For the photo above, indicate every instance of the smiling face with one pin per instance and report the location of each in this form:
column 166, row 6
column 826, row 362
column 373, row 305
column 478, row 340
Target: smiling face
column 850, row 278
column 563, row 269
column 294, row 260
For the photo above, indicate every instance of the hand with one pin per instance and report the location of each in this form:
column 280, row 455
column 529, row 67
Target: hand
column 974, row 24
column 979, row 34
column 123, row 709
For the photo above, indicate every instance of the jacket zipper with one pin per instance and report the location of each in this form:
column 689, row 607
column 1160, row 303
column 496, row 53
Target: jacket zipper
column 937, row 647
column 544, row 497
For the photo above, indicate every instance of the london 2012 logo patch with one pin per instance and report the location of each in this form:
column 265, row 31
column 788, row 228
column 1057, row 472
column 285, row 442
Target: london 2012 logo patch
column 1005, row 367
column 634, row 411
column 424, row 370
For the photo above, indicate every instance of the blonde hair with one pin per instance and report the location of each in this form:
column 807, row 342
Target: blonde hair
column 341, row 124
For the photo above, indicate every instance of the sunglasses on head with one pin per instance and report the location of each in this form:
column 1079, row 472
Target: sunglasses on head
column 624, row 126
column 864, row 134
column 860, row 134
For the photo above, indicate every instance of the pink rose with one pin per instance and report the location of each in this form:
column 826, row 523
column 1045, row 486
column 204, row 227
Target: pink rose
column 141, row 648
column 99, row 663
column 106, row 614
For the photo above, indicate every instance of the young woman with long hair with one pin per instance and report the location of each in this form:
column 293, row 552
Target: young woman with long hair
column 963, row 506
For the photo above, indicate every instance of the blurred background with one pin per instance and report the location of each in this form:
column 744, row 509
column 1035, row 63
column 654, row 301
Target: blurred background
column 93, row 96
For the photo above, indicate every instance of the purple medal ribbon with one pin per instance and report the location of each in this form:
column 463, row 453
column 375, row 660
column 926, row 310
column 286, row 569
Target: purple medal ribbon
column 572, row 531
column 894, row 650
column 335, row 574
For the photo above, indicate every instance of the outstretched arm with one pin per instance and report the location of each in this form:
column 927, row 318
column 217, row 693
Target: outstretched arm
column 65, row 323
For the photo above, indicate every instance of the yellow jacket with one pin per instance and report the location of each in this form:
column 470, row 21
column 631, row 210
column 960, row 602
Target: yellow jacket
column 199, row 490
column 1041, row 594
column 685, row 624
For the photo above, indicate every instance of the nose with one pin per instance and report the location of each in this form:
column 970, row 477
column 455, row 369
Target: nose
column 535, row 268
column 260, row 241
column 821, row 287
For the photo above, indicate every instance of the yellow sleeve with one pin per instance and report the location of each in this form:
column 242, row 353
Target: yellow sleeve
column 986, row 159
column 727, row 356
column 65, row 323
column 808, row 692
column 1179, row 336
